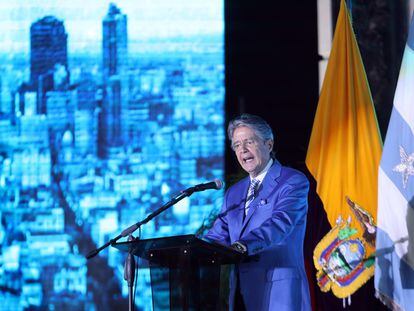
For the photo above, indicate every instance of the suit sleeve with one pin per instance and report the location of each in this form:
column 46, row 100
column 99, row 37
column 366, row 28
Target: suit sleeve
column 219, row 232
column 289, row 210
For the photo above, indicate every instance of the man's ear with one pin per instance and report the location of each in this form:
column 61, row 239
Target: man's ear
column 269, row 144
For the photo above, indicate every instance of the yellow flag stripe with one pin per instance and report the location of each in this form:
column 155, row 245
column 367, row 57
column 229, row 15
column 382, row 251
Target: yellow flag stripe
column 345, row 146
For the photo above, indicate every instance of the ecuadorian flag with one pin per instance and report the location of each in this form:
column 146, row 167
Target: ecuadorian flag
column 343, row 156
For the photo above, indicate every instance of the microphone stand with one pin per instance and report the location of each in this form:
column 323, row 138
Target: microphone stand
column 129, row 267
column 129, row 276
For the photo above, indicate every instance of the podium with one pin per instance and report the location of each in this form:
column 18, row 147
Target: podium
column 185, row 270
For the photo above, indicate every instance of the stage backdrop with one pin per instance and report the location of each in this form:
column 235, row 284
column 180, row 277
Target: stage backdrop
column 107, row 110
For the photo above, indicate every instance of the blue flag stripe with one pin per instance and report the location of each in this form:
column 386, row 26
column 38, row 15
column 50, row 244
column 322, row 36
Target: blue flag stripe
column 393, row 276
column 410, row 40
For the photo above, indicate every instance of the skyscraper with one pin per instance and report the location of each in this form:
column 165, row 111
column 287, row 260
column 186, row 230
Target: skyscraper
column 48, row 50
column 115, row 42
column 115, row 62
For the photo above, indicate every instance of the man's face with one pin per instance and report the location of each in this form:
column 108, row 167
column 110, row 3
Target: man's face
column 252, row 152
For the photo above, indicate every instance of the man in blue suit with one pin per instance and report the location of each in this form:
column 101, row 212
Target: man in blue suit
column 264, row 216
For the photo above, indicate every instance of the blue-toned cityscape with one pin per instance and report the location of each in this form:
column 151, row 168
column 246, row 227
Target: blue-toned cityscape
column 92, row 141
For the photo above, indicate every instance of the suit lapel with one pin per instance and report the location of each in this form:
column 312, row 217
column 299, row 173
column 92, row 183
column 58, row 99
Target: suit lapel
column 237, row 215
column 266, row 187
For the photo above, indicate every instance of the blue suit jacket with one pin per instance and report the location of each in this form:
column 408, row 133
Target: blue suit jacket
column 273, row 275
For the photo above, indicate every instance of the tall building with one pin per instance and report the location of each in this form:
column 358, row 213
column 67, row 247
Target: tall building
column 115, row 42
column 48, row 51
column 114, row 117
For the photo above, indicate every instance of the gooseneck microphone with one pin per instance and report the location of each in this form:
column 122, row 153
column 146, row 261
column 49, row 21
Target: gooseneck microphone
column 215, row 184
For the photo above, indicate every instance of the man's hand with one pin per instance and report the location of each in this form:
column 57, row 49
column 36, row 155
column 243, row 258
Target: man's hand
column 240, row 247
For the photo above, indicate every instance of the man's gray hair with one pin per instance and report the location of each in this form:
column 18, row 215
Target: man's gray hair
column 256, row 123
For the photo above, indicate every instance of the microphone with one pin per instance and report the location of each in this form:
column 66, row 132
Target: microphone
column 215, row 184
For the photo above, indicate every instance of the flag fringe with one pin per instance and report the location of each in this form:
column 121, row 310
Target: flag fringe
column 388, row 302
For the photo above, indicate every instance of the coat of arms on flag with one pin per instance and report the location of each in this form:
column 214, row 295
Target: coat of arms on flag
column 344, row 257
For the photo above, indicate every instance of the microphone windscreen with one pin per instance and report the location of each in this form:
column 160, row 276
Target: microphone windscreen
column 219, row 184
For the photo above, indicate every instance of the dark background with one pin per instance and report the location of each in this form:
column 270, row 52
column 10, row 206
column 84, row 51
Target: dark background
column 272, row 71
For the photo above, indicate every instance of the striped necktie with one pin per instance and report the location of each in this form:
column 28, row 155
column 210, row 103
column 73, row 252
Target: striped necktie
column 251, row 194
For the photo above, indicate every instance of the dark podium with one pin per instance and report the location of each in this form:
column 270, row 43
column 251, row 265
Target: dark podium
column 185, row 270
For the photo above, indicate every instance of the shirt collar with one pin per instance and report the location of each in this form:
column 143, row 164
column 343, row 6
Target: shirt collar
column 263, row 173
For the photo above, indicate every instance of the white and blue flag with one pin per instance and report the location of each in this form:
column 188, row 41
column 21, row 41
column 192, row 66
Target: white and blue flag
column 394, row 263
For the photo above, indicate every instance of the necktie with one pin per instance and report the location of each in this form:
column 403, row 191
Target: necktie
column 251, row 194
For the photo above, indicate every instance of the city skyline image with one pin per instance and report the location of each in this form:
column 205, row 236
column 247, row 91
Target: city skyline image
column 154, row 21
column 106, row 112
